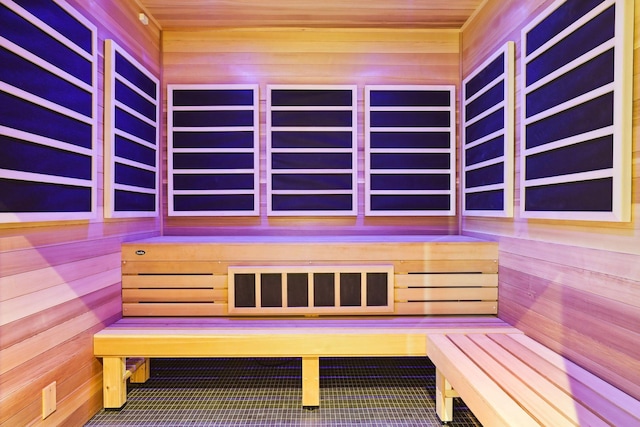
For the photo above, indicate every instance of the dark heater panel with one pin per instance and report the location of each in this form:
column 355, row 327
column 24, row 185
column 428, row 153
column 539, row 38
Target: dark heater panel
column 410, row 150
column 213, row 150
column 298, row 290
column 311, row 149
column 377, row 289
column 131, row 135
column 271, row 290
column 324, row 290
column 488, row 136
column 350, row 290
column 245, row 290
column 576, row 121
column 48, row 106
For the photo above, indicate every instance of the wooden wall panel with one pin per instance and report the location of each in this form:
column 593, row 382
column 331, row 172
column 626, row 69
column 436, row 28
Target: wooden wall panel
column 573, row 285
column 60, row 281
column 310, row 56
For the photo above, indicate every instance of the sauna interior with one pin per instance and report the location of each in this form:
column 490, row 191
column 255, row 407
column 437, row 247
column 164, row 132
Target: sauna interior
column 568, row 266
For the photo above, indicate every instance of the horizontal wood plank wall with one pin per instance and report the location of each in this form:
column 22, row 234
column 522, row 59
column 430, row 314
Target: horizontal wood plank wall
column 60, row 281
column 573, row 285
column 310, row 56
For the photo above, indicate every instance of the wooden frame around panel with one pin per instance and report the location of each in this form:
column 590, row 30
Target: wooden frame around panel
column 601, row 112
column 412, row 174
column 501, row 192
column 253, row 193
column 309, row 173
column 50, row 188
column 112, row 132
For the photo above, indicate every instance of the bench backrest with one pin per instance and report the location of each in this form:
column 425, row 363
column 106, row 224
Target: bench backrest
column 190, row 277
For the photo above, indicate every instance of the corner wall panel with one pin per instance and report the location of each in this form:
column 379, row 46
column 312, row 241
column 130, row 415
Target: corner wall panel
column 571, row 284
column 59, row 273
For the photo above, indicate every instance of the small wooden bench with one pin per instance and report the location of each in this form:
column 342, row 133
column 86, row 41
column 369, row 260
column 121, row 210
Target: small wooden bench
column 512, row 380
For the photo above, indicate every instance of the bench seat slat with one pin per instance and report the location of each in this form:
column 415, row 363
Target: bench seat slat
column 557, row 398
column 585, row 387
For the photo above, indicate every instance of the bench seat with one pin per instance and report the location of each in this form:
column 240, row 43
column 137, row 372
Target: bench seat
column 512, row 380
column 307, row 338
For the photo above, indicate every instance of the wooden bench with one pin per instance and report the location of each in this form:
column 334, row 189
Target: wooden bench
column 512, row 380
column 308, row 339
column 218, row 281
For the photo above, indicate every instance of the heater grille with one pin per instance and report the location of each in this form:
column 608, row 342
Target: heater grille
column 299, row 290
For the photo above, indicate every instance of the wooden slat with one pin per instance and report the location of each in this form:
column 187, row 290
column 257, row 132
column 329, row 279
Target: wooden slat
column 25, row 328
column 445, row 266
column 27, row 305
column 220, row 268
column 174, row 281
column 175, row 309
column 23, row 351
column 173, row 267
column 15, row 286
column 173, row 295
column 445, row 280
column 446, row 294
column 446, row 307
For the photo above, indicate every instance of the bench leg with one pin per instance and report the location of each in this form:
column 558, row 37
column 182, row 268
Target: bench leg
column 114, row 382
column 142, row 373
column 444, row 398
column 310, row 382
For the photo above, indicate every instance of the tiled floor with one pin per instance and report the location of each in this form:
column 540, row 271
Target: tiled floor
column 267, row 392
